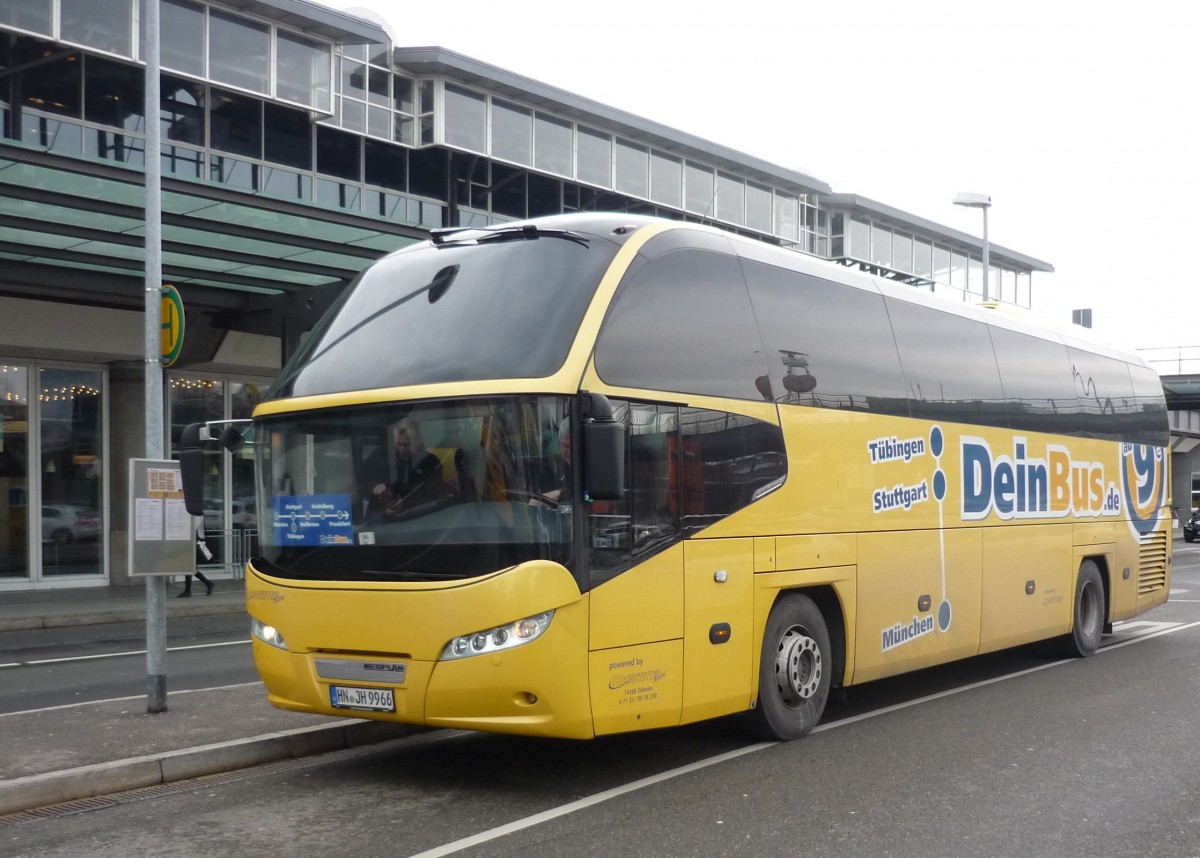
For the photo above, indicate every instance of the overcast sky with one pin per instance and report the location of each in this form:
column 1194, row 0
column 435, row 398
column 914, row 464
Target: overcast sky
column 1082, row 121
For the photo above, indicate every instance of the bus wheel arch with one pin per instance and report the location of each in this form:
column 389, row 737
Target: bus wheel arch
column 797, row 666
column 1090, row 609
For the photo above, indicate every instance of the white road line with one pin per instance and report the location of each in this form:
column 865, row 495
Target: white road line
column 103, row 655
column 600, row 797
column 124, row 699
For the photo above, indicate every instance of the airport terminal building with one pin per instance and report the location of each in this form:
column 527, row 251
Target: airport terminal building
column 298, row 145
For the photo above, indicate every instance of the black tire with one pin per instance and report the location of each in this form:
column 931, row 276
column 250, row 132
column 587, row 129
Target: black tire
column 1087, row 619
column 1189, row 537
column 795, row 671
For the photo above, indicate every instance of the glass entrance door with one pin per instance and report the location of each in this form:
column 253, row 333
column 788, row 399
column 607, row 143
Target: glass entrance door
column 71, row 435
column 14, row 473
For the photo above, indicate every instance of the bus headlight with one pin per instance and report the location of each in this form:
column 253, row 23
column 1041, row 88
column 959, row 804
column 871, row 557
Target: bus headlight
column 499, row 638
column 268, row 634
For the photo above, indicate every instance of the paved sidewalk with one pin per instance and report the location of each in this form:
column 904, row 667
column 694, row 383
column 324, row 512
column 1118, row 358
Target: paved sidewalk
column 67, row 753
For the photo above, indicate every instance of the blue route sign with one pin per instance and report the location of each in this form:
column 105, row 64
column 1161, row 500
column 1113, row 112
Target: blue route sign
column 311, row 520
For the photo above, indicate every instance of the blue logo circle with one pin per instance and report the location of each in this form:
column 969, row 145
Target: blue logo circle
column 939, row 484
column 935, row 441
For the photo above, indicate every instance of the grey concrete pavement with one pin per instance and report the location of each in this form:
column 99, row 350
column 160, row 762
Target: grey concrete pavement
column 66, row 753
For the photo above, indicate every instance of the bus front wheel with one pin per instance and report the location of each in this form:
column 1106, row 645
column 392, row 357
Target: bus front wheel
column 795, row 672
column 1088, row 619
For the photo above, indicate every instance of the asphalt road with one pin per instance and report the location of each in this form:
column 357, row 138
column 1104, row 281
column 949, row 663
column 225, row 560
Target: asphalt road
column 55, row 667
column 1012, row 754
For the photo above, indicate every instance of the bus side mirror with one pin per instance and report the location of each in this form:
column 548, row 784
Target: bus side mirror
column 191, row 468
column 603, row 450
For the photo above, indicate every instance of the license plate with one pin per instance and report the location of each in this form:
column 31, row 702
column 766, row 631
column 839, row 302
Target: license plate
column 371, row 699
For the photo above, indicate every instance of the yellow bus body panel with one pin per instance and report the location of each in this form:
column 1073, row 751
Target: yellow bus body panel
column 641, row 605
column 539, row 688
column 1028, row 584
column 636, row 687
column 719, row 643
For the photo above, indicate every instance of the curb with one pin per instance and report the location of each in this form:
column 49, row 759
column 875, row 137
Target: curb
column 35, row 791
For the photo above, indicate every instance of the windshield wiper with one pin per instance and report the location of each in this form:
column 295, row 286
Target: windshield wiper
column 467, row 234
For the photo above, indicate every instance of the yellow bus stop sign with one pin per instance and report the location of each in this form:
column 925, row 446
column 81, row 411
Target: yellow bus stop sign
column 172, row 324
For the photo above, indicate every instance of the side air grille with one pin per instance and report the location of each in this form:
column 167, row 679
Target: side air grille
column 1152, row 563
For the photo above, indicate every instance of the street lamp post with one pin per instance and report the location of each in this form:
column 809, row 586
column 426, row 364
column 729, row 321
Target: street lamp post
column 982, row 202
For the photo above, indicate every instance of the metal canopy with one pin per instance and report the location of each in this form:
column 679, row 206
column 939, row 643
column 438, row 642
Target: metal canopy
column 74, row 230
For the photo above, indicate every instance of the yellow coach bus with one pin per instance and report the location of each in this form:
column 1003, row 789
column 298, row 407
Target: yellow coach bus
column 598, row 473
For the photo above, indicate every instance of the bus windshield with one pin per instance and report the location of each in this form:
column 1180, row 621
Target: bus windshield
column 425, row 491
column 461, row 310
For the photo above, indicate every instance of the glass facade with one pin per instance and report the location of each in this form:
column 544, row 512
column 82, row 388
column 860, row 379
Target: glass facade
column 52, row 457
column 230, row 511
column 258, row 146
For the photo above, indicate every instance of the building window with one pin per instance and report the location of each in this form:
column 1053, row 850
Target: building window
column 287, row 138
column 758, row 208
column 881, row 246
column 699, row 188
column 942, row 264
column 181, row 36
column 512, row 132
column 114, row 95
column 595, row 158
column 787, row 217
column 32, row 15
column 902, row 253
column 860, row 240
column 302, row 71
column 182, row 111
column 239, row 51
column 731, row 199
column 404, row 121
column 425, row 101
column 106, row 25
column 923, row 259
column 466, row 119
column 633, row 169
column 552, row 145
column 666, row 180
column 236, row 122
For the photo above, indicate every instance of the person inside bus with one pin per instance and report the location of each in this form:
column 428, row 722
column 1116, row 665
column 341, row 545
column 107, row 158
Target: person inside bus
column 418, row 473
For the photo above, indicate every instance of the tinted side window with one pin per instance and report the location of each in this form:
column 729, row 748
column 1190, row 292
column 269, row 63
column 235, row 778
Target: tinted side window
column 1038, row 389
column 646, row 520
column 1150, row 423
column 682, row 322
column 949, row 366
column 687, row 468
column 728, row 461
column 1105, row 394
column 826, row 345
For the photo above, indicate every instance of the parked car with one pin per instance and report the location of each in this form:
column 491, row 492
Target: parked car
column 242, row 515
column 62, row 524
column 1190, row 526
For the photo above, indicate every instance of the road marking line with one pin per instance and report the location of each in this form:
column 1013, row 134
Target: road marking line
column 103, row 655
column 600, row 797
column 124, row 699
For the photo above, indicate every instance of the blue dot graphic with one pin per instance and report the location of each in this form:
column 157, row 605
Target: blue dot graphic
column 944, row 615
column 939, row 484
column 935, row 441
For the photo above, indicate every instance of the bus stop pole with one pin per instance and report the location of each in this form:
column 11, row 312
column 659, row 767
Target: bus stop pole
column 156, row 585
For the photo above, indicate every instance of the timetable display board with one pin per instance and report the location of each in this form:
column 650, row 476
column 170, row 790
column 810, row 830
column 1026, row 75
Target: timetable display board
column 162, row 535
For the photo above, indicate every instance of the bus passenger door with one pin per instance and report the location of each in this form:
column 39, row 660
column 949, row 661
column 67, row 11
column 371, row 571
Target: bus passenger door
column 635, row 561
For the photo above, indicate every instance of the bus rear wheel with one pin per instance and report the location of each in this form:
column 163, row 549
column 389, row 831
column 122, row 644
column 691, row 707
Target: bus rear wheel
column 1088, row 619
column 795, row 671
